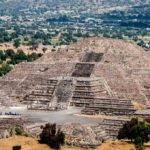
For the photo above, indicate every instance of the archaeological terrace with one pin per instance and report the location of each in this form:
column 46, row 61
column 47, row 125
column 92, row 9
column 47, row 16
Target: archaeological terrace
column 102, row 76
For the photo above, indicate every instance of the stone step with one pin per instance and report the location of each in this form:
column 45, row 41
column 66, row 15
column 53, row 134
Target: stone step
column 41, row 95
column 42, row 92
column 118, row 107
column 88, row 91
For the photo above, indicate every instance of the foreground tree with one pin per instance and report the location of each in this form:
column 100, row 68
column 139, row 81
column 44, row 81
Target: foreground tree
column 125, row 131
column 136, row 131
column 51, row 136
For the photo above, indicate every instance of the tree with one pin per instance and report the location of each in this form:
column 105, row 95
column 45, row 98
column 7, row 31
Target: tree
column 21, row 55
column 136, row 131
column 33, row 56
column 34, row 44
column 17, row 43
column 9, row 53
column 125, row 131
column 2, row 55
column 140, row 132
column 51, row 136
column 18, row 57
column 4, row 69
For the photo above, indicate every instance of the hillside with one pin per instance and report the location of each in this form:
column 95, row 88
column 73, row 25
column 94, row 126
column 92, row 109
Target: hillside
column 14, row 6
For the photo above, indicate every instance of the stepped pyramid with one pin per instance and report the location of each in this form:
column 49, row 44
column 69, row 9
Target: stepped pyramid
column 103, row 76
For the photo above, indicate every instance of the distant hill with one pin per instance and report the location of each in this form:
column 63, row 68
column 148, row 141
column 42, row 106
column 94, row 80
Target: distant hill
column 8, row 7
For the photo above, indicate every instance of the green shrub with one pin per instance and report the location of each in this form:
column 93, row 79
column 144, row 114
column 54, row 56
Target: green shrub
column 18, row 131
column 51, row 136
column 53, row 50
column 16, row 147
column 16, row 43
column 1, row 61
column 4, row 69
column 138, row 143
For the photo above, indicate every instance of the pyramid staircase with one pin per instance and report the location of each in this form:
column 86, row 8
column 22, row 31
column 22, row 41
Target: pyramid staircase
column 41, row 97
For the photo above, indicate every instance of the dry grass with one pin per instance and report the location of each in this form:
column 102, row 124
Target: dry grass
column 28, row 143
column 138, row 105
column 25, row 142
column 118, row 145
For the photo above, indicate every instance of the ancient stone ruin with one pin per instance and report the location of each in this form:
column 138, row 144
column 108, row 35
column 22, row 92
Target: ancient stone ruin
column 102, row 76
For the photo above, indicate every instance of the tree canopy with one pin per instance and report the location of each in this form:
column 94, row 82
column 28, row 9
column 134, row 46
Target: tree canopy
column 136, row 131
column 51, row 136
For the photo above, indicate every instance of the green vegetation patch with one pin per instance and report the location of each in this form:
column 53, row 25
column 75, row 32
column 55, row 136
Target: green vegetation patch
column 9, row 58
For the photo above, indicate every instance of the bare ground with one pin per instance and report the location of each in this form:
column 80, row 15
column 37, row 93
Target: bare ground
column 28, row 143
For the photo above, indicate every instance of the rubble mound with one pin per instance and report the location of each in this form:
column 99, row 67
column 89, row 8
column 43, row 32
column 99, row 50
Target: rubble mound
column 82, row 135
